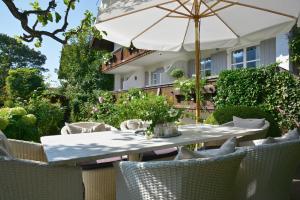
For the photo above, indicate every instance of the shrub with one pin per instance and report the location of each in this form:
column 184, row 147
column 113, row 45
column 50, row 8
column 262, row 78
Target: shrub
column 225, row 114
column 177, row 73
column 135, row 104
column 49, row 116
column 266, row 87
column 17, row 124
column 3, row 123
column 20, row 83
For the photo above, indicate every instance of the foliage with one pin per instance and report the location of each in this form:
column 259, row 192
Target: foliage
column 266, row 87
column 80, row 74
column 22, row 82
column 177, row 73
column 225, row 114
column 18, row 55
column 79, row 67
column 49, row 116
column 295, row 46
column 14, row 54
column 3, row 123
column 51, row 13
column 187, row 87
column 135, row 105
column 18, row 124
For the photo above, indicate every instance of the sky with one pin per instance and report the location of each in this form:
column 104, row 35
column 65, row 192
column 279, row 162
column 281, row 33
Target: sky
column 50, row 48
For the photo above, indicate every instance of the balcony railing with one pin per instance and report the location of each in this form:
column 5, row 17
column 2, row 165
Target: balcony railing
column 168, row 90
column 122, row 56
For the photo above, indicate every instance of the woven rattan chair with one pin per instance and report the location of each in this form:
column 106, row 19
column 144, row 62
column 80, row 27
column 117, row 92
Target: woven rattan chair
column 242, row 141
column 257, row 135
column 209, row 179
column 99, row 180
column 267, row 171
column 33, row 179
column 87, row 125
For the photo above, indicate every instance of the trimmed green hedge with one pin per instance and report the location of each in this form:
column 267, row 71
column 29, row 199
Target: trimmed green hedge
column 224, row 115
column 267, row 87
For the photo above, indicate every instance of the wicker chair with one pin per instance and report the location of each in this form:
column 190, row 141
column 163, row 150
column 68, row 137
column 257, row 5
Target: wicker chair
column 196, row 179
column 242, row 141
column 124, row 127
column 267, row 171
column 258, row 134
column 99, row 180
column 87, row 125
column 33, row 179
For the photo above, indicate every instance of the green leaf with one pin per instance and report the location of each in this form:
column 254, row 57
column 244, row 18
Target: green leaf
column 50, row 17
column 57, row 17
column 35, row 5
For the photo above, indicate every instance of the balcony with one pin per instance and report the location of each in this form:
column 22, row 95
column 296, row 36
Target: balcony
column 122, row 56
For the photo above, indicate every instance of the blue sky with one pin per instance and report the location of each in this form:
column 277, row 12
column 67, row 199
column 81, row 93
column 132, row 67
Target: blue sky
column 50, row 48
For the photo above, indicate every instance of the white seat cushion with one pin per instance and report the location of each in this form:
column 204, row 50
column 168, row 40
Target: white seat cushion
column 227, row 148
column 291, row 135
column 74, row 129
column 99, row 128
column 248, row 123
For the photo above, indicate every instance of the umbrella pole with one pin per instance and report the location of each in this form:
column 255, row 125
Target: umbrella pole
column 197, row 69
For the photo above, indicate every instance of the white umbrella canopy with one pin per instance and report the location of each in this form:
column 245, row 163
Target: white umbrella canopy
column 170, row 25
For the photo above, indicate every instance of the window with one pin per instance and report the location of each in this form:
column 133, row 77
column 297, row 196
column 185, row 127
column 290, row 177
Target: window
column 206, row 67
column 247, row 57
column 156, row 76
column 237, row 58
column 253, row 58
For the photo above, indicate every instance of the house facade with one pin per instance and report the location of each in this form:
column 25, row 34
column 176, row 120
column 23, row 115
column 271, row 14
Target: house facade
column 134, row 68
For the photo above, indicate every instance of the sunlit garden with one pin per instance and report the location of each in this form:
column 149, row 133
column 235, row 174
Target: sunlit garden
column 77, row 124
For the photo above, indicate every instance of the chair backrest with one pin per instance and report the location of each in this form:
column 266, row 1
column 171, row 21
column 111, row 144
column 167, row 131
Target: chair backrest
column 87, row 125
column 137, row 124
column 29, row 180
column 267, row 171
column 257, row 135
column 195, row 179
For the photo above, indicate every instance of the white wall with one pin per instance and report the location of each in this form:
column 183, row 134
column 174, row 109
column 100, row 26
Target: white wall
column 117, row 83
column 282, row 51
column 134, row 80
column 182, row 62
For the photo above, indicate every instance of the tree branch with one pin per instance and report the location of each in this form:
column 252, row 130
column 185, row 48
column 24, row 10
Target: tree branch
column 32, row 33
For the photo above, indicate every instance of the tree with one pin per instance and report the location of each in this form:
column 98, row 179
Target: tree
column 79, row 64
column 21, row 83
column 41, row 17
column 17, row 55
column 14, row 54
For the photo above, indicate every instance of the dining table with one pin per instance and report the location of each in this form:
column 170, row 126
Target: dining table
column 73, row 149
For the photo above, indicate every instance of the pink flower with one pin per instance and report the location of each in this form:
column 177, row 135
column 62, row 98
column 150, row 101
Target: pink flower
column 101, row 100
column 94, row 110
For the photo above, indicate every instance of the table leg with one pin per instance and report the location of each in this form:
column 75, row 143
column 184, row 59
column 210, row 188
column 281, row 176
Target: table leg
column 135, row 157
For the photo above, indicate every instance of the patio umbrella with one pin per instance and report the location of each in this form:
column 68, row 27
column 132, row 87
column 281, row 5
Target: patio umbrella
column 172, row 25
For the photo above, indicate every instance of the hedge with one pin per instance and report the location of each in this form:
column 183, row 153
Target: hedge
column 269, row 88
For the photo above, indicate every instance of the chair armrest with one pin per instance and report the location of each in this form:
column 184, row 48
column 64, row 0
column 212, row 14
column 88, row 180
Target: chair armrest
column 23, row 179
column 228, row 124
column 27, row 150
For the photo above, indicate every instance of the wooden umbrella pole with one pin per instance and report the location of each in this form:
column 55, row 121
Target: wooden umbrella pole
column 197, row 62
